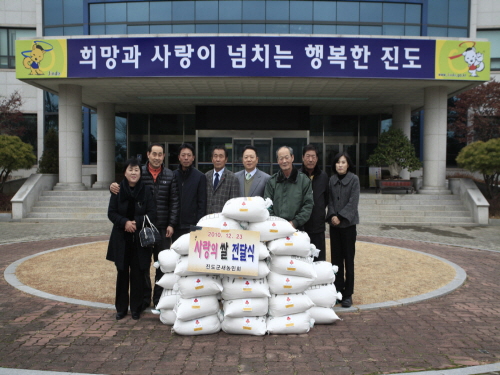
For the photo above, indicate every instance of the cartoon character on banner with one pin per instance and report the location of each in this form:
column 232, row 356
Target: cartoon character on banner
column 33, row 58
column 473, row 59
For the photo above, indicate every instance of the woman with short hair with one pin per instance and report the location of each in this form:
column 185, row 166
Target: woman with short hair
column 343, row 216
column 127, row 211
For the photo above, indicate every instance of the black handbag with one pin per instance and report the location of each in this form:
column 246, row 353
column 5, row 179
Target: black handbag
column 149, row 235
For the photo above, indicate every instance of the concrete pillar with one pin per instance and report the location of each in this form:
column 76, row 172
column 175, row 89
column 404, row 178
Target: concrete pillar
column 435, row 109
column 105, row 145
column 401, row 119
column 70, row 138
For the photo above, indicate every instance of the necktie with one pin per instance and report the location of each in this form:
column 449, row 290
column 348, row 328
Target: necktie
column 216, row 181
column 249, row 176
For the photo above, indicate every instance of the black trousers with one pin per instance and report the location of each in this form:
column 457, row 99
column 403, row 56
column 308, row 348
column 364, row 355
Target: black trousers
column 157, row 290
column 318, row 239
column 132, row 275
column 343, row 249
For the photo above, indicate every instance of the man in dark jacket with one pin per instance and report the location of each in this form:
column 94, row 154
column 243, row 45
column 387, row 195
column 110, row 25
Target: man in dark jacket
column 315, row 226
column 166, row 194
column 192, row 191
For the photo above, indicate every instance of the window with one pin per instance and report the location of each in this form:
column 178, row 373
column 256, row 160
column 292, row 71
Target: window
column 8, row 38
column 494, row 38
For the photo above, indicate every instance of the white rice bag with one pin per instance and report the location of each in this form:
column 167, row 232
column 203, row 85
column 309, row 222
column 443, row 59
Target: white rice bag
column 263, row 271
column 181, row 269
column 167, row 317
column 323, row 315
column 236, row 288
column 272, row 228
column 200, row 285
column 250, row 325
column 297, row 243
column 290, row 324
column 284, row 284
column 168, row 299
column 238, row 308
column 197, row 307
column 263, row 251
column 168, row 260
column 168, row 280
column 181, row 245
column 324, row 295
column 250, row 209
column 294, row 303
column 218, row 221
column 202, row 326
column 293, row 265
column 324, row 272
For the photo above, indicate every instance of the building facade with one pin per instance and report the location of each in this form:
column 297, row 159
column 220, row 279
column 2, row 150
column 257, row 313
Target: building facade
column 120, row 116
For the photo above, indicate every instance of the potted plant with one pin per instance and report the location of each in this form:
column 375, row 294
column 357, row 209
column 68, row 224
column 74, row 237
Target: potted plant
column 395, row 151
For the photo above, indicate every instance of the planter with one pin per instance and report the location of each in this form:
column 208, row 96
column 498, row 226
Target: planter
column 395, row 185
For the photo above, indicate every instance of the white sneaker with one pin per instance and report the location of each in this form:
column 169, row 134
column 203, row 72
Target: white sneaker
column 155, row 311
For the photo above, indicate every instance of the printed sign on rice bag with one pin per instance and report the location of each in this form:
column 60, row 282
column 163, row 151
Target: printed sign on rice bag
column 233, row 252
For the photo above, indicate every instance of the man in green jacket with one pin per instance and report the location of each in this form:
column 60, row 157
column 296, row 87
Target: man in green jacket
column 290, row 191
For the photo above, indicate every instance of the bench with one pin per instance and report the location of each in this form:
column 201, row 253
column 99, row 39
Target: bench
column 395, row 185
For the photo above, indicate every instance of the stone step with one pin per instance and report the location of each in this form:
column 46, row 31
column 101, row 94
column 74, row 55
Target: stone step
column 388, row 213
column 407, row 220
column 73, row 204
column 51, row 198
column 388, row 207
column 70, row 209
column 86, row 193
column 407, row 196
column 68, row 215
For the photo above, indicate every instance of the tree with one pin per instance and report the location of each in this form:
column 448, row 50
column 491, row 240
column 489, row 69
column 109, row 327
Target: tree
column 14, row 155
column 394, row 150
column 475, row 113
column 483, row 157
column 49, row 162
column 11, row 117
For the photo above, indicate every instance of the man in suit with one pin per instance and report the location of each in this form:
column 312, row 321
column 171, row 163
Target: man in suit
column 222, row 184
column 252, row 180
column 192, row 191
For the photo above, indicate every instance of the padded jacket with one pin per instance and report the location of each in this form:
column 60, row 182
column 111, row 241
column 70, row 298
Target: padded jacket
column 316, row 223
column 117, row 212
column 292, row 197
column 166, row 194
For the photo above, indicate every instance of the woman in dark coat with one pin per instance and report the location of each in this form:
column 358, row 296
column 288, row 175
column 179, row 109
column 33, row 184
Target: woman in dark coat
column 126, row 210
column 343, row 216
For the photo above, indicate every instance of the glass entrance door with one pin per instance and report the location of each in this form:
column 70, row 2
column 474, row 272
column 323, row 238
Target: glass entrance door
column 332, row 149
column 266, row 143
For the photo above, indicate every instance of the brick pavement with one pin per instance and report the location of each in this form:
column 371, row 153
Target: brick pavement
column 456, row 330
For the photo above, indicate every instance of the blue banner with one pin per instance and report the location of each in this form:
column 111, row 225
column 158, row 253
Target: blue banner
column 251, row 56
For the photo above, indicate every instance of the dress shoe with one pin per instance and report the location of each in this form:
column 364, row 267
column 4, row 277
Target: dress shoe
column 136, row 315
column 347, row 302
column 120, row 315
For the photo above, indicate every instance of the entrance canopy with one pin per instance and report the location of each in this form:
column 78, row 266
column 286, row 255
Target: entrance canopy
column 331, row 75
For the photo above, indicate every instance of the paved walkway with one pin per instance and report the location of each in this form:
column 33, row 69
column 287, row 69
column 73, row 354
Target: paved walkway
column 460, row 329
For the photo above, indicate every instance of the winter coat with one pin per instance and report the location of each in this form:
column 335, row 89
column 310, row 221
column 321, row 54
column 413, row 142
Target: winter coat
column 343, row 200
column 166, row 194
column 192, row 196
column 292, row 197
column 316, row 223
column 117, row 213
